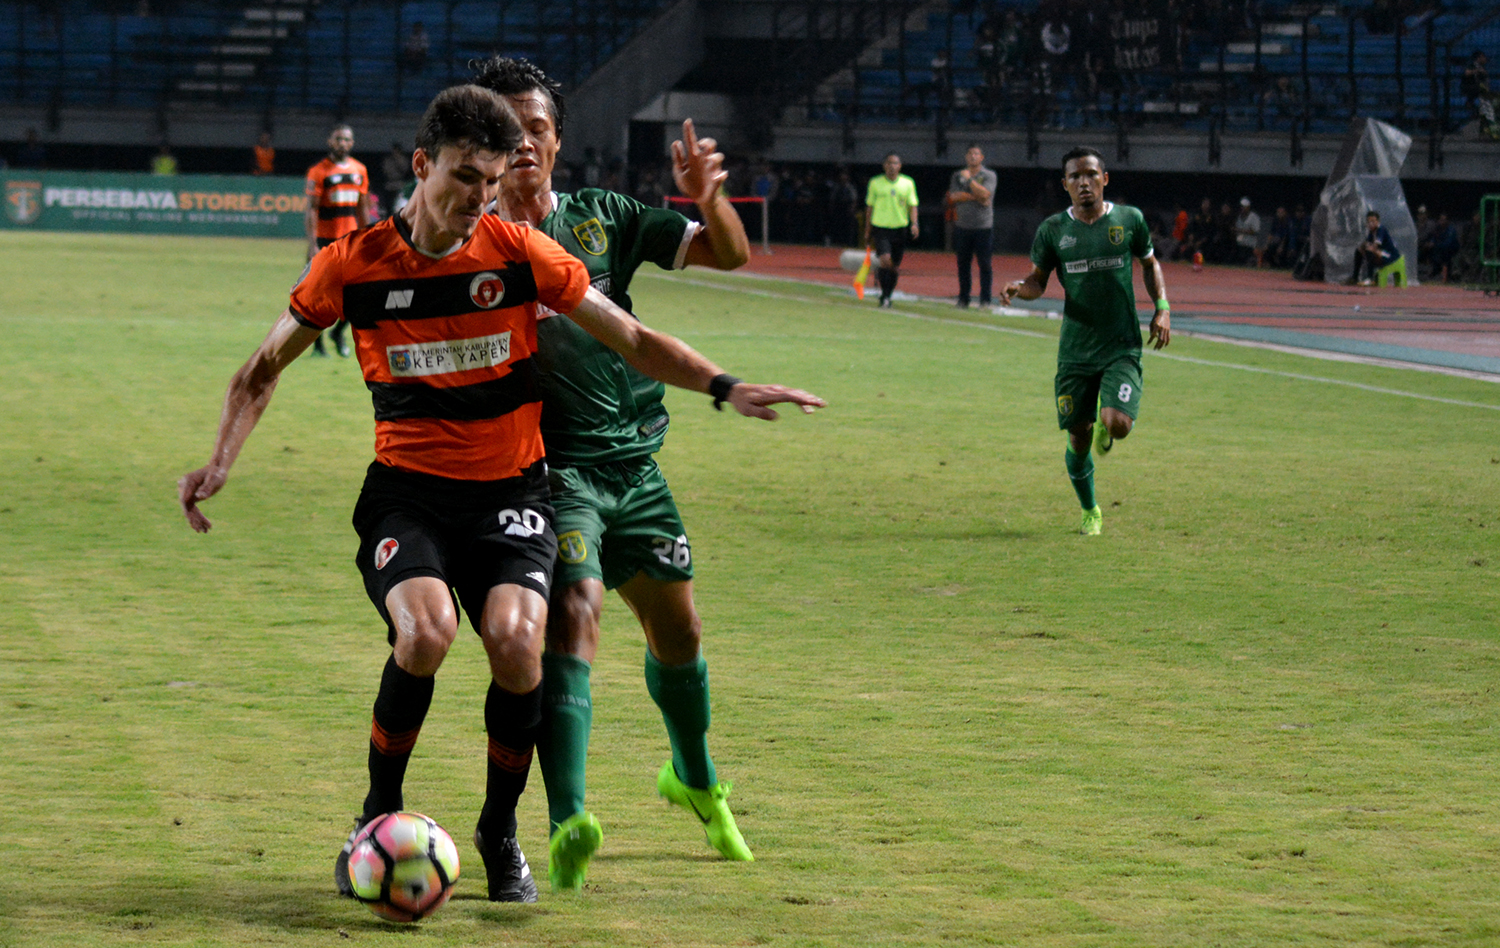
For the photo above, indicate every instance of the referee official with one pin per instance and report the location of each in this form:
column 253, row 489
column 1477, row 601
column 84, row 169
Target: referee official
column 890, row 205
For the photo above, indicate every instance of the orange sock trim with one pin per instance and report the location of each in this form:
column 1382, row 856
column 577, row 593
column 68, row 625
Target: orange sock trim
column 507, row 759
column 392, row 745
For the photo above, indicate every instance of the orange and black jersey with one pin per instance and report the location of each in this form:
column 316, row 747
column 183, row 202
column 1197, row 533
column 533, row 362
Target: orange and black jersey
column 446, row 343
column 336, row 190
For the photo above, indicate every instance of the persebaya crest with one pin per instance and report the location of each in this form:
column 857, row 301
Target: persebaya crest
column 1116, row 234
column 591, row 237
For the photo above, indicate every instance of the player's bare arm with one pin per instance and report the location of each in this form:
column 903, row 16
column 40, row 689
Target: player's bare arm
column 698, row 169
column 249, row 393
column 1033, row 286
column 670, row 360
column 1156, row 287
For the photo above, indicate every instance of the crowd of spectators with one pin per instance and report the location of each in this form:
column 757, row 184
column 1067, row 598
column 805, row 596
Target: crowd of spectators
column 1236, row 235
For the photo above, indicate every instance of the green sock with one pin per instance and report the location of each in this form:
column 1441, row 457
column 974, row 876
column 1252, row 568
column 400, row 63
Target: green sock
column 681, row 692
column 563, row 743
column 1081, row 472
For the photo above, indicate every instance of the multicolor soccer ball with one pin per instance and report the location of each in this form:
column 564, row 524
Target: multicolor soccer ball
column 403, row 866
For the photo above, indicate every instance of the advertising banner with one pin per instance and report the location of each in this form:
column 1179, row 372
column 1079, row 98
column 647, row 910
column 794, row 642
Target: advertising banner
column 210, row 205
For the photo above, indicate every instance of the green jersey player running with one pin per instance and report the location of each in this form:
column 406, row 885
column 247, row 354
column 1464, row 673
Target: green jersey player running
column 617, row 525
column 1099, row 353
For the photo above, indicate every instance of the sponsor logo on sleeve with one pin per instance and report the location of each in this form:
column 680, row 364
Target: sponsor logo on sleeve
column 486, row 289
column 418, row 359
column 385, row 551
column 591, row 237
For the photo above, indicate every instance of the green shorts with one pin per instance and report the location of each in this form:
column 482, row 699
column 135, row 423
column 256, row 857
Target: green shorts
column 616, row 520
column 1082, row 386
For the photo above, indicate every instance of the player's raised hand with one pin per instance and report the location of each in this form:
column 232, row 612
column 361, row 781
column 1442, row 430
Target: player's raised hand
column 196, row 486
column 751, row 400
column 697, row 167
column 1011, row 289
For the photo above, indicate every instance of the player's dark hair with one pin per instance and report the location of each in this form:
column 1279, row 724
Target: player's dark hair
column 1082, row 151
column 888, row 156
column 469, row 116
column 1373, row 213
column 509, row 76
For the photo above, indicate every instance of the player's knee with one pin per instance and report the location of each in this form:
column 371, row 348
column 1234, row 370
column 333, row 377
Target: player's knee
column 573, row 622
column 514, row 649
column 422, row 642
column 676, row 639
column 1119, row 426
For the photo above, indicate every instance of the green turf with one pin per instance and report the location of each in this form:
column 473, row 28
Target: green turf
column 1259, row 710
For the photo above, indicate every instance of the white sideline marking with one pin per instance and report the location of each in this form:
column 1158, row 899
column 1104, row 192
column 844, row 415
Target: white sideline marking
column 922, row 317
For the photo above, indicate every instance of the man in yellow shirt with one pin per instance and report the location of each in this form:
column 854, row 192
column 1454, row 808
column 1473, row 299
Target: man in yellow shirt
column 891, row 210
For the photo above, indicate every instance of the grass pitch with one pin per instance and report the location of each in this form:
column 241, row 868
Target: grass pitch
column 1258, row 711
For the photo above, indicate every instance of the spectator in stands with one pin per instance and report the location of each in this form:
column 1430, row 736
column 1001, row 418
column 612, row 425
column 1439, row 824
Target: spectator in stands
column 1476, row 88
column 1200, row 232
column 1247, row 235
column 592, row 171
column 1278, row 242
column 1180, row 220
column 414, row 48
column 164, row 162
column 395, row 171
column 971, row 195
column 1283, row 98
column 1443, row 248
column 1377, row 251
column 1221, row 248
column 843, row 210
column 1301, row 230
column 263, row 156
column 33, row 153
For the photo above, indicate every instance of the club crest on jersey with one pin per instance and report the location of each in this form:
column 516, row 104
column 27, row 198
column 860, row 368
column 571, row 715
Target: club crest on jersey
column 23, row 201
column 1065, row 405
column 591, row 237
column 486, row 289
column 384, row 551
column 571, row 548
column 1117, row 235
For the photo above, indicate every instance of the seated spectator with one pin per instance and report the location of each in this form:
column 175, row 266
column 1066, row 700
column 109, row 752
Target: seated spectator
column 1221, row 247
column 1278, row 243
column 1377, row 251
column 1444, row 248
column 1247, row 243
column 1475, row 87
column 263, row 157
column 1200, row 232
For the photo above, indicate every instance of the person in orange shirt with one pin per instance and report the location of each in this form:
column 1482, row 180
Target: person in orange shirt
column 337, row 204
column 443, row 300
column 264, row 162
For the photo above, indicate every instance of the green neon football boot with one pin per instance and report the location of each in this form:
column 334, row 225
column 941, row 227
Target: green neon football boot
column 575, row 842
column 1093, row 522
column 1103, row 440
column 710, row 809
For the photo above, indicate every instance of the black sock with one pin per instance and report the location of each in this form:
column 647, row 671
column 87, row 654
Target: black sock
column 400, row 708
column 512, row 722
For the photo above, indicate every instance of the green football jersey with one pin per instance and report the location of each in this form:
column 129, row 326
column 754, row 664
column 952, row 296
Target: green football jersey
column 595, row 407
column 1093, row 264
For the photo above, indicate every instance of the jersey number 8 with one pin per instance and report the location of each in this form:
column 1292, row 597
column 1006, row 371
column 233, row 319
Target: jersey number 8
column 1125, row 392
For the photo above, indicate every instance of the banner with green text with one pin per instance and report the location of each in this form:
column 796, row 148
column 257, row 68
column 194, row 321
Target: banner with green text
column 216, row 205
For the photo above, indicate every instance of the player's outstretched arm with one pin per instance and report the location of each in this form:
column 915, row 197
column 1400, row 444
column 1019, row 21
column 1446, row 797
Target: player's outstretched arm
column 246, row 400
column 1156, row 286
column 699, row 172
column 1033, row 286
column 670, row 360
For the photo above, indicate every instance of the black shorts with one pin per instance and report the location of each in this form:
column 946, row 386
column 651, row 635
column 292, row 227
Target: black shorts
column 890, row 240
column 473, row 535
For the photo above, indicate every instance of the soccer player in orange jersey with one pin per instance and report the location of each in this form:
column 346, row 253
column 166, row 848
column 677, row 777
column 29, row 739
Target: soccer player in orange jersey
column 443, row 302
column 338, row 189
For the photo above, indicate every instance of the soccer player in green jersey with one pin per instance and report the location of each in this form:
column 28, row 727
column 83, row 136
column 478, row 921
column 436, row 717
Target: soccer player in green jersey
column 1099, row 353
column 617, row 525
